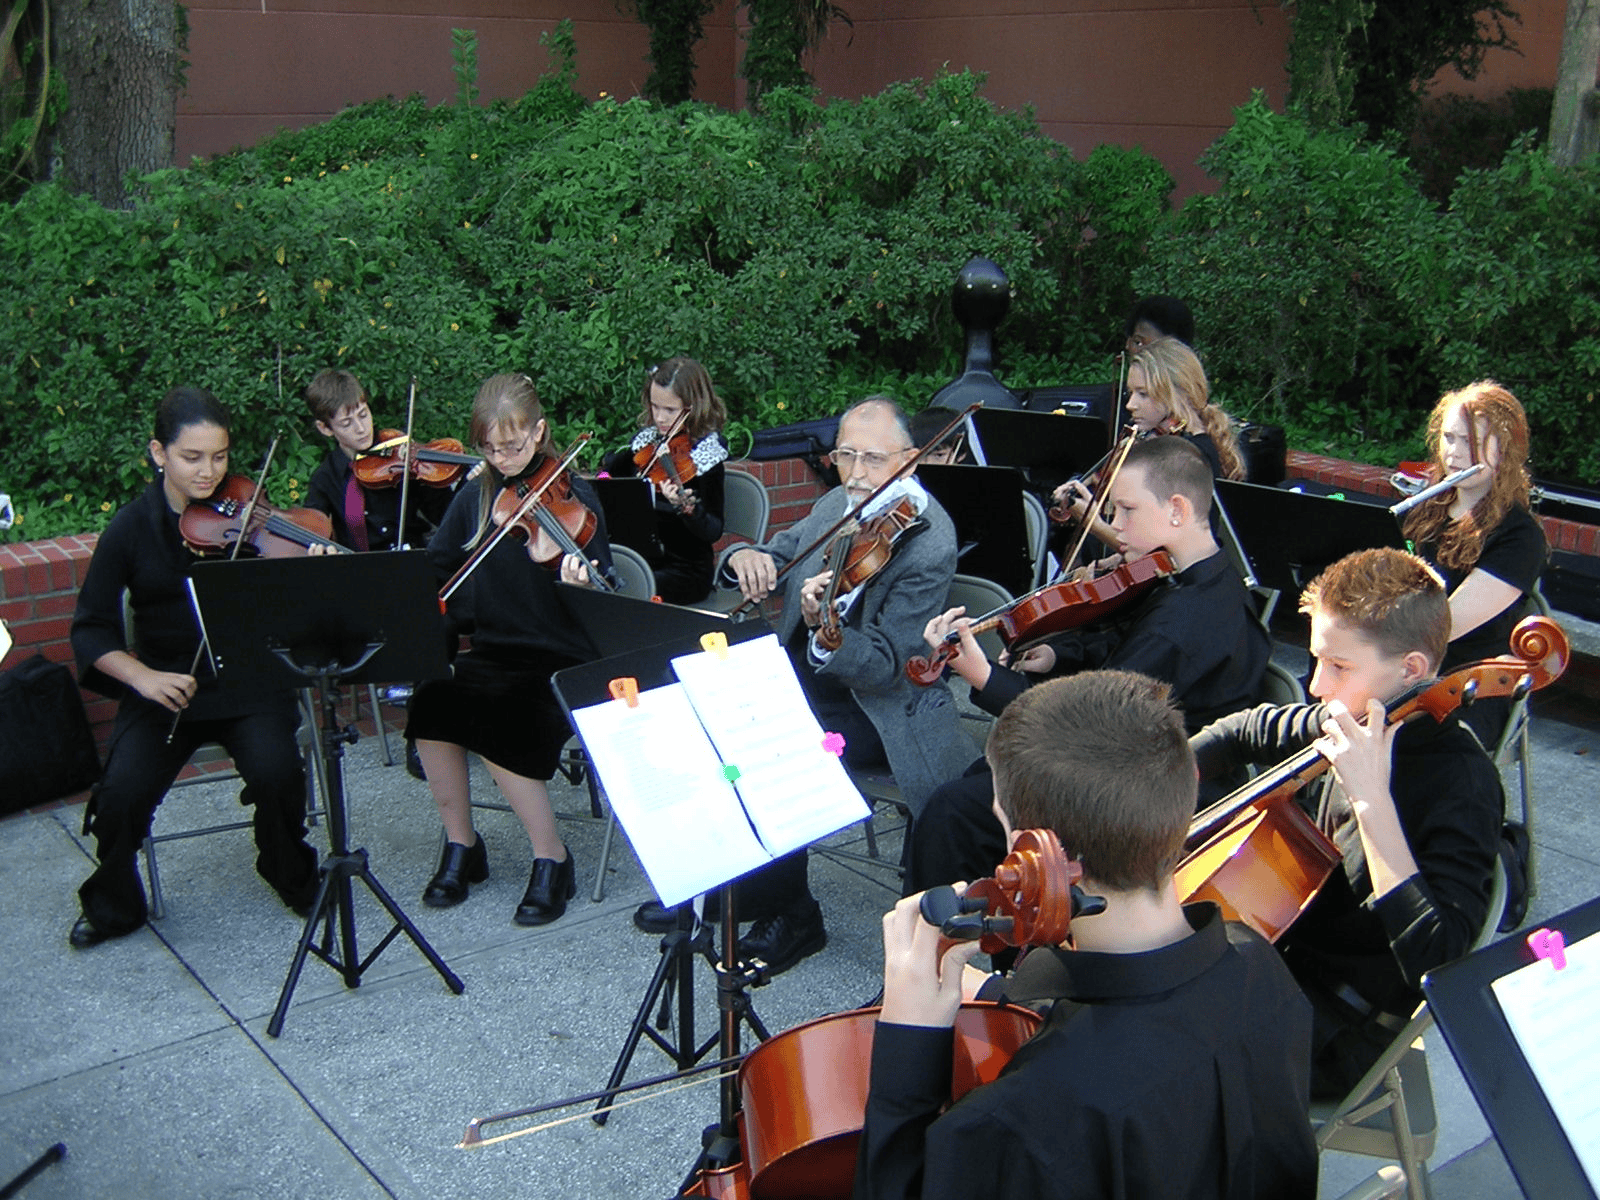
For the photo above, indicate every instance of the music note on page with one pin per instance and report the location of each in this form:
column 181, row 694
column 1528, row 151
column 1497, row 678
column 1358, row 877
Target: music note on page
column 756, row 714
column 1551, row 1013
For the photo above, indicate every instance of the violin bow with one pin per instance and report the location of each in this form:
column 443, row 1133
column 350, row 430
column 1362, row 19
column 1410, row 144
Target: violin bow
column 901, row 472
column 1095, row 502
column 405, row 467
column 533, row 497
column 661, row 447
column 244, row 526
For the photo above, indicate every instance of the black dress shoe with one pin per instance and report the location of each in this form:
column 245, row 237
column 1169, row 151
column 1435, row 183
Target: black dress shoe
column 655, row 917
column 785, row 939
column 458, row 866
column 550, row 886
column 85, row 934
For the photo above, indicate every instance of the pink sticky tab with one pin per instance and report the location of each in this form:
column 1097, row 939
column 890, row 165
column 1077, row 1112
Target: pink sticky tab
column 1548, row 943
column 833, row 743
column 603, row 475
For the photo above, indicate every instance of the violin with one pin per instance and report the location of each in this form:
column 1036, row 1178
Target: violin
column 804, row 1092
column 1054, row 608
column 439, row 463
column 669, row 459
column 542, row 509
column 1263, row 859
column 1094, row 479
column 855, row 556
column 213, row 525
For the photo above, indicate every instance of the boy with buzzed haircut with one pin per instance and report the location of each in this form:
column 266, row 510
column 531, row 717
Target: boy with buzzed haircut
column 363, row 518
column 1415, row 809
column 1173, row 1058
column 1197, row 632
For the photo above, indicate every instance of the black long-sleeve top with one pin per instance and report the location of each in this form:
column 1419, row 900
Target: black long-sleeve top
column 509, row 603
column 1182, row 1071
column 1451, row 806
column 143, row 551
column 1515, row 552
column 326, row 490
column 1196, row 631
column 686, row 538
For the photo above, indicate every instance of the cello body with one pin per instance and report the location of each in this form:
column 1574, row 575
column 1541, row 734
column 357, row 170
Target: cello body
column 804, row 1096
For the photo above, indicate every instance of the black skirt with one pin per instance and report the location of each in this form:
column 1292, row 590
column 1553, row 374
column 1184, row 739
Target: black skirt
column 504, row 710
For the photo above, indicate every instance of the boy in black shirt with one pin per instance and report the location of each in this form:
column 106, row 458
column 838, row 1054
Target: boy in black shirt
column 1416, row 810
column 1173, row 1056
column 363, row 518
column 1197, row 632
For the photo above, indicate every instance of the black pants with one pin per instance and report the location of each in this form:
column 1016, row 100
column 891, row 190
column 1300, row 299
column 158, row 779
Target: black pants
column 957, row 836
column 141, row 766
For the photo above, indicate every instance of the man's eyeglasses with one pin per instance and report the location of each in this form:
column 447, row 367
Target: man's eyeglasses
column 873, row 460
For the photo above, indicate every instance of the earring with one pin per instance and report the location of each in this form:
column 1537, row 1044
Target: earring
column 1174, row 520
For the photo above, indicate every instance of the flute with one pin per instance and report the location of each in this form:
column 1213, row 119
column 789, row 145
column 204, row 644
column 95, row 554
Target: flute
column 1444, row 485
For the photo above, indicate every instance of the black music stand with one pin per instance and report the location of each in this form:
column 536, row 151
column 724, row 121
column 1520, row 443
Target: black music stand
column 985, row 505
column 319, row 622
column 630, row 514
column 1289, row 537
column 590, row 684
column 1050, row 448
column 1536, row 1144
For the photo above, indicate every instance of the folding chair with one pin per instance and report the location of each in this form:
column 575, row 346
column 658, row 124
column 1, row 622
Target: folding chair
column 746, row 510
column 1390, row 1112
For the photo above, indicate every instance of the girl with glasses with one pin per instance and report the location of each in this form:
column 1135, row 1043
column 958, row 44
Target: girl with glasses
column 499, row 703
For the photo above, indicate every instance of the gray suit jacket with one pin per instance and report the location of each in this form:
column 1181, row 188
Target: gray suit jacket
column 920, row 727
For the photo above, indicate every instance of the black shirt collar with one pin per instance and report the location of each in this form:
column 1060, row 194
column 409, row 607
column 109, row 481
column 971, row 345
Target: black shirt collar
column 1051, row 973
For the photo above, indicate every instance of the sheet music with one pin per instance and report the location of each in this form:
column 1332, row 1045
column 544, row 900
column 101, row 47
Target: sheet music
column 1552, row 1015
column 666, row 786
column 756, row 714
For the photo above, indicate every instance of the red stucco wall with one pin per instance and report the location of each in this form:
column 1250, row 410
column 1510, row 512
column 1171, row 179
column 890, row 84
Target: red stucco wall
column 1161, row 74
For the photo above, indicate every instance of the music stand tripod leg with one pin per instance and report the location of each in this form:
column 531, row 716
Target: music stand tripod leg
column 674, row 970
column 335, row 899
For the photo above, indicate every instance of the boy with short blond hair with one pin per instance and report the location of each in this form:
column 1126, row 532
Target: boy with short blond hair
column 1415, row 809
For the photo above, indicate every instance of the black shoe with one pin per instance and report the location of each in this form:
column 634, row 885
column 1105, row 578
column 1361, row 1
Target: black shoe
column 550, row 886
column 784, row 940
column 458, row 866
column 85, row 934
column 655, row 917
column 414, row 763
column 300, row 900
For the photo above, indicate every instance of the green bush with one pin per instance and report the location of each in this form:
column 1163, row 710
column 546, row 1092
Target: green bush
column 1510, row 290
column 806, row 255
column 1289, row 268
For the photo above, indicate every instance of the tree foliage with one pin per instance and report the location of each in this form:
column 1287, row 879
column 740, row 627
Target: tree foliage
column 805, row 255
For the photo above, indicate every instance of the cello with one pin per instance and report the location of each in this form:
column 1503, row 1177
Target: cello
column 804, row 1091
column 1263, row 859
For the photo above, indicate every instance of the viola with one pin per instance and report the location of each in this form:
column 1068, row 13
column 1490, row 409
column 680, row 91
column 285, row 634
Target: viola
column 804, row 1092
column 213, row 525
column 439, row 463
column 855, row 556
column 1263, row 859
column 1054, row 608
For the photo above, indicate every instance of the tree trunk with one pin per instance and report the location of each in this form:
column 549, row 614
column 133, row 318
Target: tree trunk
column 120, row 62
column 1575, row 122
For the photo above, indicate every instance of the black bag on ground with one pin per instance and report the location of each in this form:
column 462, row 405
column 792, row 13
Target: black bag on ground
column 46, row 749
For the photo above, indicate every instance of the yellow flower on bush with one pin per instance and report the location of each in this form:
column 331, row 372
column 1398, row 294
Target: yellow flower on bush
column 105, row 506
